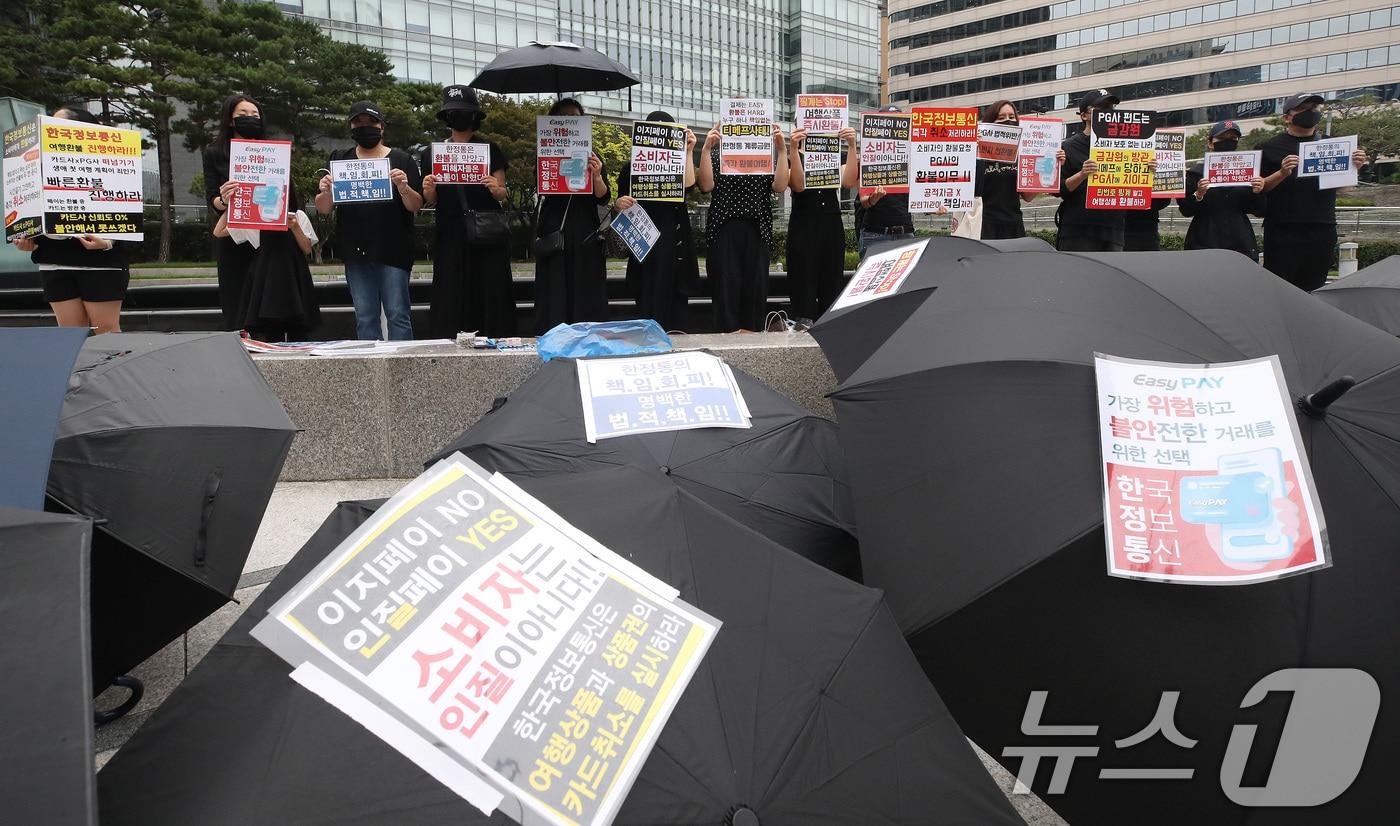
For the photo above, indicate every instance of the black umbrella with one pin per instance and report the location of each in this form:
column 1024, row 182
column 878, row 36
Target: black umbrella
column 1371, row 294
column 35, row 363
column 46, row 748
column 176, row 442
column 553, row 67
column 785, row 477
column 807, row 709
column 849, row 335
column 974, row 448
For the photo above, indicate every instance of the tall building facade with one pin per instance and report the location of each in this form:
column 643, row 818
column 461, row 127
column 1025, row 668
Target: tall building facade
column 688, row 54
column 1194, row 62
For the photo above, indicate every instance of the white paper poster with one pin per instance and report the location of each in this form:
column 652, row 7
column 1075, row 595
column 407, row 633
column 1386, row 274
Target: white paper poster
column 746, row 136
column 880, row 275
column 563, row 146
column 650, row 394
column 65, row 177
column 942, row 159
column 1036, row 167
column 263, row 172
column 360, row 180
column 1231, row 168
column 465, row 162
column 636, row 229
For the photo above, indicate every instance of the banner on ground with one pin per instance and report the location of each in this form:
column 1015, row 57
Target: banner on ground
column 1036, row 167
column 650, row 394
column 636, row 229
column 1231, row 168
column 746, row 136
column 880, row 275
column 1169, row 180
column 1204, row 475
column 1122, row 142
column 263, row 172
column 998, row 142
column 657, row 170
column 360, row 180
column 942, row 159
column 884, row 152
column 563, row 145
column 461, row 162
column 64, row 177
column 494, row 644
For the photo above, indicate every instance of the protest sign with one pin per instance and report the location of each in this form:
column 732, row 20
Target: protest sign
column 884, row 152
column 467, row 621
column 263, row 172
column 942, row 159
column 1122, row 142
column 563, row 145
column 821, row 117
column 822, row 114
column 746, row 136
column 998, row 142
column 457, row 162
column 1036, row 167
column 1169, row 180
column 64, row 177
column 657, row 170
column 636, row 229
column 651, row 394
column 1325, row 156
column 360, row 180
column 1231, row 168
column 1204, row 475
column 880, row 275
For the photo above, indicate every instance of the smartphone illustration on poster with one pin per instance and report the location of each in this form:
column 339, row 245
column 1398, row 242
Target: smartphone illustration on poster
column 1264, row 539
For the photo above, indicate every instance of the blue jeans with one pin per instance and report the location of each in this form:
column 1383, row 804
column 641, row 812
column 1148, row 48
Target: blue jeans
column 373, row 285
column 867, row 238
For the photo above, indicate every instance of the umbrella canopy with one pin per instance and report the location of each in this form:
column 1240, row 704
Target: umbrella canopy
column 35, row 363
column 1371, row 294
column 849, row 335
column 176, row 440
column 974, row 447
column 785, row 477
column 555, row 68
column 46, row 747
column 807, row 709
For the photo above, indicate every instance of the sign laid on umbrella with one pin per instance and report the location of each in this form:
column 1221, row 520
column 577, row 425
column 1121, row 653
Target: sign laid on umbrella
column 461, row 162
column 500, row 634
column 1205, row 477
column 884, row 152
column 1232, row 168
column 360, row 180
column 64, row 177
column 746, row 136
column 652, row 394
column 1036, row 167
column 658, row 161
column 880, row 275
column 563, row 145
column 1169, row 179
column 262, row 170
column 1122, row 142
column 942, row 159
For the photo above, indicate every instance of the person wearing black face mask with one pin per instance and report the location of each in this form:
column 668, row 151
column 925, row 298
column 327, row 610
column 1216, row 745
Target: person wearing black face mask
column 996, row 184
column 1082, row 229
column 1300, row 221
column 239, row 117
column 1220, row 214
column 375, row 239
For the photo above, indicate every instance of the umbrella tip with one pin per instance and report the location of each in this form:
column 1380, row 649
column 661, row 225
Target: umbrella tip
column 666, row 469
column 741, row 816
column 1314, row 405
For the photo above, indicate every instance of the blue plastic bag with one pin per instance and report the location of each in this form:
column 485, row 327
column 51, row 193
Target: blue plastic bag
column 603, row 338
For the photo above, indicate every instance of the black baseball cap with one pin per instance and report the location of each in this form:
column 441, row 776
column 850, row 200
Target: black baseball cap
column 1097, row 98
column 1302, row 100
column 365, row 107
column 458, row 98
column 1224, row 126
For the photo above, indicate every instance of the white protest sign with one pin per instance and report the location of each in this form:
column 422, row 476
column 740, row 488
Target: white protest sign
column 1231, row 168
column 998, row 142
column 360, row 180
column 746, row 136
column 942, row 159
column 880, row 275
column 1036, row 167
column 563, row 146
column 263, row 172
column 651, row 394
column 636, row 229
column 64, row 177
column 1325, row 157
column 465, row 162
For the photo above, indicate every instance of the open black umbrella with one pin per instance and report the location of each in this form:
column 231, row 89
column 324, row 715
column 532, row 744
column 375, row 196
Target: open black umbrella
column 555, row 68
column 808, row 708
column 35, row 363
column 849, row 335
column 176, row 441
column 973, row 443
column 46, row 747
column 785, row 477
column 1371, row 294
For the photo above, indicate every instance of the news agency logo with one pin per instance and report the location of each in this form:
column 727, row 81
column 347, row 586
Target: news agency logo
column 1330, row 722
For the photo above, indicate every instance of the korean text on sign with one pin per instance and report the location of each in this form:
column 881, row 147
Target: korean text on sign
column 884, row 152
column 1036, row 167
column 1123, row 144
column 880, row 275
column 658, row 162
column 942, row 159
column 648, row 394
column 746, row 136
column 563, row 146
column 262, row 170
column 461, row 162
column 1231, row 168
column 64, row 177
column 360, row 180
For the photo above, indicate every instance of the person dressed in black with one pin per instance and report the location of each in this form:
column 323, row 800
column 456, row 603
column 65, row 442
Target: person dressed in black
column 1082, row 229
column 816, row 240
column 84, row 277
column 1300, row 218
column 664, row 282
column 739, row 234
column 471, row 278
column 1220, row 214
column 882, row 215
column 571, row 283
column 279, row 298
column 996, row 184
column 238, row 117
column 1142, row 227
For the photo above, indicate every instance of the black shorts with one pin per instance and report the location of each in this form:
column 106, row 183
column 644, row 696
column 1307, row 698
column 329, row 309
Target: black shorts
column 89, row 285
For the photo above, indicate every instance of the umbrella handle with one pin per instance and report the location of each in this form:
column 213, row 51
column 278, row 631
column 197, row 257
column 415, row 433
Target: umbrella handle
column 102, row 718
column 1314, row 405
column 211, row 492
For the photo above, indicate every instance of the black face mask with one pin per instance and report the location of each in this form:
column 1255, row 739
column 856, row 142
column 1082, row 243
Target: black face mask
column 1226, row 146
column 248, row 126
column 367, row 136
column 462, row 121
column 1011, row 121
column 1307, row 119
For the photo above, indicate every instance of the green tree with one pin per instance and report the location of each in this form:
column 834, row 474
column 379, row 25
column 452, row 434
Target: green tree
column 1376, row 127
column 510, row 125
column 613, row 144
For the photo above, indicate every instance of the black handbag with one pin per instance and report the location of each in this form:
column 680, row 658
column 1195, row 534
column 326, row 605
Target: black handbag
column 551, row 244
column 484, row 228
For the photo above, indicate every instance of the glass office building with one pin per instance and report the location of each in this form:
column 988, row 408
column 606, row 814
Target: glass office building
column 1195, row 62
column 688, row 54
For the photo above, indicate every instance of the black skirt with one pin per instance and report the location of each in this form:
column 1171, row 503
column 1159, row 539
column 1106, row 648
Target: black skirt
column 816, row 262
column 664, row 282
column 737, row 266
column 233, row 261
column 278, row 293
column 998, row 229
column 471, row 288
column 571, row 285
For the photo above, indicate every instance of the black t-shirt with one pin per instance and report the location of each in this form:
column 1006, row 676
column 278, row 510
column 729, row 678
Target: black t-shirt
column 816, row 202
column 888, row 212
column 1074, row 218
column 452, row 199
column 1295, row 200
column 996, row 183
column 380, row 231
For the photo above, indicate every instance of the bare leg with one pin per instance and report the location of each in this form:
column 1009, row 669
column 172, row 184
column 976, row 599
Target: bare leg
column 70, row 313
column 106, row 316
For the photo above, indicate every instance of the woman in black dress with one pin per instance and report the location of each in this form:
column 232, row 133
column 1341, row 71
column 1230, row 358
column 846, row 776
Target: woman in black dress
column 278, row 302
column 739, row 231
column 996, row 183
column 816, row 240
column 571, row 284
column 664, row 282
column 471, row 284
column 239, row 116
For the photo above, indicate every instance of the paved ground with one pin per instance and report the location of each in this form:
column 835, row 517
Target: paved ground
column 296, row 510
